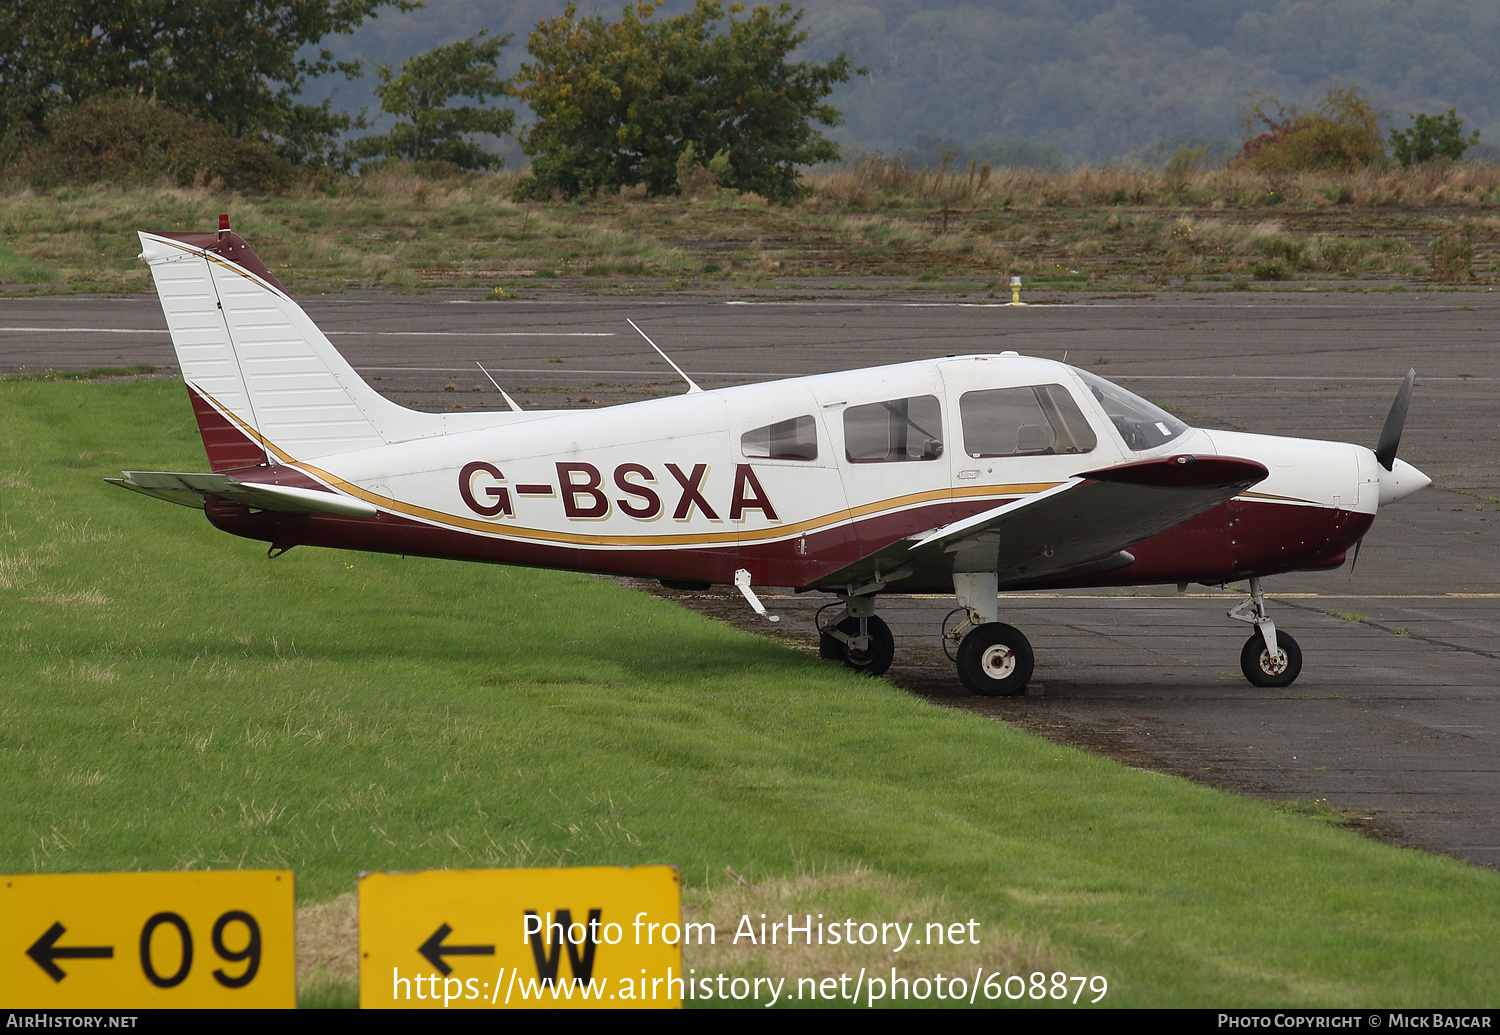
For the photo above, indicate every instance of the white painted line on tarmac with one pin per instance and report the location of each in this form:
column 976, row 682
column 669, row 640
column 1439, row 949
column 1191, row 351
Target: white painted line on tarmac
column 475, row 334
column 1281, row 377
column 1158, row 303
column 384, row 334
column 85, row 330
column 559, row 369
column 1225, row 595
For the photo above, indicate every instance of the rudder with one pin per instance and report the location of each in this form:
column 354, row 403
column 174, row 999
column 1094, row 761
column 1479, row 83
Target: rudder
column 262, row 375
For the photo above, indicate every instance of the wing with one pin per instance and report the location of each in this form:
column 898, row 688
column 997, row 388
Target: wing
column 1083, row 526
column 189, row 490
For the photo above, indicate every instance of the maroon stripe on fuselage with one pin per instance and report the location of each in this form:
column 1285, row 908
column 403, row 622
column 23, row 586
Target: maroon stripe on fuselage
column 1269, row 537
column 1233, row 541
column 390, row 533
column 1237, row 540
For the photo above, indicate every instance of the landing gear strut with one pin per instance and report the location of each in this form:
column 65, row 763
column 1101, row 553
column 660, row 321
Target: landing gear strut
column 1269, row 658
column 994, row 659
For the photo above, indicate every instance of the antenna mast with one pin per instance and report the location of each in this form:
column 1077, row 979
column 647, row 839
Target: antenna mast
column 693, row 388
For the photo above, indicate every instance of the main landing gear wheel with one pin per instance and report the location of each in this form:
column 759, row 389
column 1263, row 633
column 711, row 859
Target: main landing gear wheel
column 995, row 660
column 874, row 660
column 1262, row 669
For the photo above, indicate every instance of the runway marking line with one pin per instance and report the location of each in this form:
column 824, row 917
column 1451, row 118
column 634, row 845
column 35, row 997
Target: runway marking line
column 86, row 330
column 1201, row 596
column 475, row 334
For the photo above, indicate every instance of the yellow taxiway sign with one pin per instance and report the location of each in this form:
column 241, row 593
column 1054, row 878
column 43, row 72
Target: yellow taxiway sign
column 147, row 940
column 583, row 937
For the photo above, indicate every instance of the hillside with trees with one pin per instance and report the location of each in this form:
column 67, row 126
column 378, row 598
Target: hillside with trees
column 1044, row 83
column 239, row 68
column 1079, row 80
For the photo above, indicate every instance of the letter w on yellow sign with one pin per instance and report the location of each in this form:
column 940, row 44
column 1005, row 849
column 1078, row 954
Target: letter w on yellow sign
column 574, row 938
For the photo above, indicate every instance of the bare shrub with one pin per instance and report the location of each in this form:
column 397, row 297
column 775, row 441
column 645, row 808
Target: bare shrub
column 127, row 140
column 1452, row 254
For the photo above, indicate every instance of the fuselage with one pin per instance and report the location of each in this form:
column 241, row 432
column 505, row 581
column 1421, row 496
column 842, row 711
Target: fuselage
column 793, row 480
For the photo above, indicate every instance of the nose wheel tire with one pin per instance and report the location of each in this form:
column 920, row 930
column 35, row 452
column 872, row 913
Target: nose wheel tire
column 995, row 660
column 874, row 660
column 1262, row 669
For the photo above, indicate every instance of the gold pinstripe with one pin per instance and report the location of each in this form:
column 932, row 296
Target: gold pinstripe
column 219, row 261
column 686, row 539
column 1277, row 499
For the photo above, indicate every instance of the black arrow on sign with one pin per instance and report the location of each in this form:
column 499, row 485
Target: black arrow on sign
column 46, row 949
column 434, row 949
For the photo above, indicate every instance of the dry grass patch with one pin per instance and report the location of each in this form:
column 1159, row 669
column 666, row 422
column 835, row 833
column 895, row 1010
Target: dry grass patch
column 865, row 896
column 16, row 570
column 876, row 216
column 85, row 597
column 328, row 945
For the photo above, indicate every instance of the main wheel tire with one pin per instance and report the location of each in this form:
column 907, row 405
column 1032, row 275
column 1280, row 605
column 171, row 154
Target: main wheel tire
column 995, row 660
column 1263, row 670
column 872, row 662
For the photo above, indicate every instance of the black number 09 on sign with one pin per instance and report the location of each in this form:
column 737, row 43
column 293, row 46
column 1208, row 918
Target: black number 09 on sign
column 250, row 952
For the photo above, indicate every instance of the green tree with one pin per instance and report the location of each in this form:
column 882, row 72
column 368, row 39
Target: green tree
column 241, row 64
column 1342, row 133
column 433, row 131
column 617, row 104
column 1432, row 136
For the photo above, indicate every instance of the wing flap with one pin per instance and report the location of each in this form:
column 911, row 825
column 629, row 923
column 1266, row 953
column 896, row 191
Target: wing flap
column 1084, row 525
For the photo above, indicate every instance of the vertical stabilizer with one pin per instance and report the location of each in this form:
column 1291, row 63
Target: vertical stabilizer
column 260, row 370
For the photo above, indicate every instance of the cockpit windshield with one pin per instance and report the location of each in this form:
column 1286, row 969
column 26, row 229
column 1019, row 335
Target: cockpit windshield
column 1141, row 424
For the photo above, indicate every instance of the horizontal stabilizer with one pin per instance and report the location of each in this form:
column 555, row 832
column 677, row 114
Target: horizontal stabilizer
column 189, row 490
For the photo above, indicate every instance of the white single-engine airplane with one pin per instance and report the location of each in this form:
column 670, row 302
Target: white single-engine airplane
column 969, row 475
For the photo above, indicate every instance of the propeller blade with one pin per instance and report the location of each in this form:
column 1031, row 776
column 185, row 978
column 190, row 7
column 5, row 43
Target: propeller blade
column 1390, row 435
column 1355, row 562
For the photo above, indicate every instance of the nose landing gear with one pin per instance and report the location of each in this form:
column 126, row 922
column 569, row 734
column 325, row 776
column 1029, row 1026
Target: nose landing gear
column 1269, row 658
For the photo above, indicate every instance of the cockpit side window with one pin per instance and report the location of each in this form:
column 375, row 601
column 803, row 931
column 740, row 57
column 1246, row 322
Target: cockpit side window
column 1038, row 420
column 794, row 439
column 894, row 430
column 1141, row 424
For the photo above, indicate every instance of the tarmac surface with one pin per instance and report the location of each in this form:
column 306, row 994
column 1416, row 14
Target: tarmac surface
column 1395, row 721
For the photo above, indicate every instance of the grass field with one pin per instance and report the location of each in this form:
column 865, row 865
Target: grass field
column 172, row 699
column 866, row 224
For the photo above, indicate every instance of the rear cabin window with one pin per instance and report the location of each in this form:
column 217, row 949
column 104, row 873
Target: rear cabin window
column 795, row 439
column 893, row 431
column 1037, row 421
